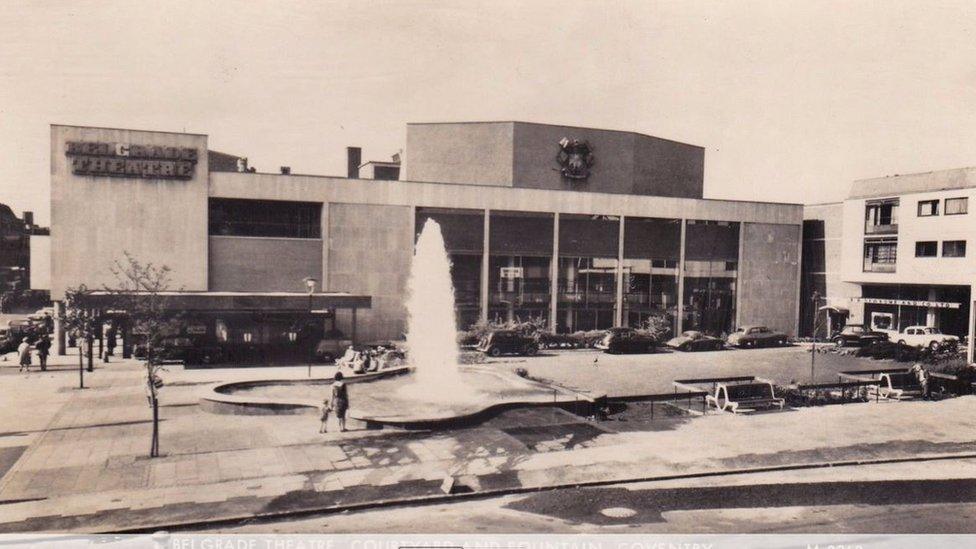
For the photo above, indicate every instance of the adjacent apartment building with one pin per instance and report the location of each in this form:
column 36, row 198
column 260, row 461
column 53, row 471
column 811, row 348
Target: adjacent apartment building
column 579, row 228
column 894, row 254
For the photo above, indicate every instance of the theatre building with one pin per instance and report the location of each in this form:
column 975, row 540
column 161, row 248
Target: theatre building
column 580, row 228
column 893, row 254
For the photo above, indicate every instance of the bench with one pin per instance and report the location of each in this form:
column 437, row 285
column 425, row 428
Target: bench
column 899, row 386
column 745, row 397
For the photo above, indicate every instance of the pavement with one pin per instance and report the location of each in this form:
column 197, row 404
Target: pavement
column 75, row 459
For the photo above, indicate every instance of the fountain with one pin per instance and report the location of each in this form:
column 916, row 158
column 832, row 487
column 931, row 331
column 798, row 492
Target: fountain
column 432, row 349
column 437, row 390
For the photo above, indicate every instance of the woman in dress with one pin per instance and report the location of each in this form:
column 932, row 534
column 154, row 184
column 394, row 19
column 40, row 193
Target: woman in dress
column 338, row 403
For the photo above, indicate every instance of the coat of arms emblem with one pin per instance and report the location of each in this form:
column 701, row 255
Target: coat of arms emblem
column 575, row 158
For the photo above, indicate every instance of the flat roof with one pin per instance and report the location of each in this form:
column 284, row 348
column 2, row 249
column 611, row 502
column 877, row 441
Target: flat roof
column 631, row 132
column 934, row 181
column 245, row 301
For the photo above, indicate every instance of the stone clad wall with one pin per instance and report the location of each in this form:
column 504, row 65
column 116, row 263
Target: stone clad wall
column 95, row 218
column 769, row 276
column 370, row 247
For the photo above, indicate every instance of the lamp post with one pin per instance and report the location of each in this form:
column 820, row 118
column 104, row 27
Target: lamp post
column 310, row 286
column 813, row 350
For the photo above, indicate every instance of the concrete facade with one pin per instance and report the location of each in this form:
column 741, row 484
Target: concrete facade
column 95, row 219
column 509, row 153
column 769, row 271
column 261, row 264
column 370, row 247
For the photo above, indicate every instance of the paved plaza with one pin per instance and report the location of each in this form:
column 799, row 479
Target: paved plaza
column 75, row 460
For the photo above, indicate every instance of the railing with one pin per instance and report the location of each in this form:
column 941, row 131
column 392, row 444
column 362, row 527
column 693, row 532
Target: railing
column 891, row 228
column 497, row 298
column 872, row 267
column 588, row 297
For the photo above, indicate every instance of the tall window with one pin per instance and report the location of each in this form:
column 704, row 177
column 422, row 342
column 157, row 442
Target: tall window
column 954, row 248
column 926, row 249
column 956, row 206
column 928, row 208
column 881, row 216
column 268, row 218
column 880, row 255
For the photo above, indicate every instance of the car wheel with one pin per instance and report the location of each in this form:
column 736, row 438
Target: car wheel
column 718, row 346
column 839, row 341
column 531, row 350
column 781, row 343
column 901, row 341
column 934, row 345
column 495, row 352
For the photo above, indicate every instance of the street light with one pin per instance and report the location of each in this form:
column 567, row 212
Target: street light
column 813, row 349
column 310, row 285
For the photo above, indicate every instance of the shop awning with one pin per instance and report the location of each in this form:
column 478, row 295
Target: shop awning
column 245, row 301
column 832, row 308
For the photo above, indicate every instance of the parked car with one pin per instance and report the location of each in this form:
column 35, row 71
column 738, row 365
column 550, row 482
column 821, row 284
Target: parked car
column 924, row 336
column 509, row 342
column 854, row 334
column 182, row 349
column 627, row 340
column 756, row 336
column 693, row 340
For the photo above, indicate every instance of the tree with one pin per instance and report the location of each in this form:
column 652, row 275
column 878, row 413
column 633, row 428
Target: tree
column 141, row 293
column 79, row 319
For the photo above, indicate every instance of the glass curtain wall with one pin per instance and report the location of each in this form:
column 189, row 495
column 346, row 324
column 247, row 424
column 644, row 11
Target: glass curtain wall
column 463, row 232
column 711, row 271
column 520, row 257
column 650, row 270
column 587, row 282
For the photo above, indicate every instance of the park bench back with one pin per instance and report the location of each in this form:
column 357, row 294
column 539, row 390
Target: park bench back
column 749, row 391
column 901, row 380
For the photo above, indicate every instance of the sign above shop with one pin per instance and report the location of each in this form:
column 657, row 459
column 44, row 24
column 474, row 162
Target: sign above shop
column 907, row 302
column 511, row 272
column 126, row 160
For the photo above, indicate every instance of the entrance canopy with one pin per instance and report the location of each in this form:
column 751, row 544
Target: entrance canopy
column 245, row 301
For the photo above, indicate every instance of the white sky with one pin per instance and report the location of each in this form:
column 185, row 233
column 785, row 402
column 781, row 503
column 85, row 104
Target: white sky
column 792, row 100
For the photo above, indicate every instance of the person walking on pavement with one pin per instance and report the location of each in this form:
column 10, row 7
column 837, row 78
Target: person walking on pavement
column 338, row 403
column 23, row 351
column 43, row 347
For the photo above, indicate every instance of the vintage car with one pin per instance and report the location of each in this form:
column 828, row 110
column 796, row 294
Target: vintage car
column 924, row 336
column 181, row 349
column 626, row 340
column 695, row 341
column 756, row 336
column 508, row 342
column 857, row 335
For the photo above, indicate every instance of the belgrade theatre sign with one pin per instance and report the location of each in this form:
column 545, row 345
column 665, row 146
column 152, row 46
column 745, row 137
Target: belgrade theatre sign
column 125, row 160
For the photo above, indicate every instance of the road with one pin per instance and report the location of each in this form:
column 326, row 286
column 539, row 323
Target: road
column 917, row 497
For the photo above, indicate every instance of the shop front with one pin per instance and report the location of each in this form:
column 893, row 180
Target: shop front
column 895, row 307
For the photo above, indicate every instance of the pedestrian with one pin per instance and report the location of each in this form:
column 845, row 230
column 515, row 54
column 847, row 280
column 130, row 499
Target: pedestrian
column 338, row 403
column 43, row 347
column 326, row 408
column 23, row 351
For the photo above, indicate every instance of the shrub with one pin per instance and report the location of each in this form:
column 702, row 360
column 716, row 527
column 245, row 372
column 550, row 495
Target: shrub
column 657, row 327
column 889, row 350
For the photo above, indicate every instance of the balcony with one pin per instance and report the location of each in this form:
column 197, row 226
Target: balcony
column 874, row 267
column 588, row 297
column 870, row 229
column 519, row 298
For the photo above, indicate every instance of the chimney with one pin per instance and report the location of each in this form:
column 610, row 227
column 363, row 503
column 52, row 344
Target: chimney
column 354, row 157
column 29, row 219
column 286, row 170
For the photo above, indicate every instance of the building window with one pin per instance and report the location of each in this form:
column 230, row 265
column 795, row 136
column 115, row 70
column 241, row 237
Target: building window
column 953, row 248
column 881, row 217
column 267, row 218
column 926, row 249
column 880, row 255
column 928, row 208
column 956, row 206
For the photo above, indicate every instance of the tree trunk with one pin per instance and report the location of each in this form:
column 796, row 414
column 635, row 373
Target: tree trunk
column 91, row 343
column 81, row 370
column 154, row 447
